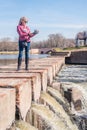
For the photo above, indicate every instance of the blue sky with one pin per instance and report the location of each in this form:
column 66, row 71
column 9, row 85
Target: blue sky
column 66, row 17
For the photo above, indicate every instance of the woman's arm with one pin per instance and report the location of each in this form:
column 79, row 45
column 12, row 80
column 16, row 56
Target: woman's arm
column 20, row 32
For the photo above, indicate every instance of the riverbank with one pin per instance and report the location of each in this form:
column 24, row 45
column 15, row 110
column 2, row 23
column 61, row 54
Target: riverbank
column 32, row 51
column 8, row 52
column 37, row 51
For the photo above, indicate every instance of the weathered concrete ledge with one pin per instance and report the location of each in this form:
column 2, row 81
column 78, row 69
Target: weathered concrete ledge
column 77, row 57
column 7, row 107
column 25, row 85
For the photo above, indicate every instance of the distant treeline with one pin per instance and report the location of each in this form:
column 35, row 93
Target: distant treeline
column 54, row 40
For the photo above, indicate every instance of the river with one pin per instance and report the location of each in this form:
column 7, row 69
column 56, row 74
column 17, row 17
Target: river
column 73, row 74
column 6, row 59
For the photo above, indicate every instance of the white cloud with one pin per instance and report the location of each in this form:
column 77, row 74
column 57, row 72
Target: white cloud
column 75, row 26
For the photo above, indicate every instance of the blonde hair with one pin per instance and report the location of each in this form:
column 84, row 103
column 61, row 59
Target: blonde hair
column 23, row 19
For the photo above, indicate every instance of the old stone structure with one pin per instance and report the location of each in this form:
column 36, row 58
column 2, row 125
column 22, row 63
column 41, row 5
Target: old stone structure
column 20, row 90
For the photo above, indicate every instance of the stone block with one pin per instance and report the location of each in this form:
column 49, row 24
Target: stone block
column 7, row 107
column 23, row 92
column 76, row 94
column 76, row 97
column 57, row 86
column 49, row 72
column 35, row 81
column 43, row 74
column 46, row 64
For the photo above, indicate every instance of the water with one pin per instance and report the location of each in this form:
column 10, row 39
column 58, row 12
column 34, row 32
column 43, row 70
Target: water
column 22, row 125
column 59, row 98
column 55, row 93
column 59, row 110
column 15, row 56
column 51, row 114
column 51, row 121
column 73, row 73
column 75, row 76
column 6, row 59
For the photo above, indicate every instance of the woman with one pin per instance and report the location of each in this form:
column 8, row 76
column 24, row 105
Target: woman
column 24, row 41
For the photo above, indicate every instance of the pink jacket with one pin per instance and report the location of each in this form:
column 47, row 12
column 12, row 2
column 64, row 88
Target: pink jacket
column 23, row 32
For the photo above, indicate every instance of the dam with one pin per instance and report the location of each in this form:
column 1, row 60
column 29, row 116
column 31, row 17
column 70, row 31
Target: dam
column 35, row 100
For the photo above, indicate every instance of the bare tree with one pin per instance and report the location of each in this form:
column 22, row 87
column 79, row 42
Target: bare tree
column 54, row 40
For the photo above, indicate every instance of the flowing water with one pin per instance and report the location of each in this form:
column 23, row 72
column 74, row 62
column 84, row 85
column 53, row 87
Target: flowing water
column 59, row 98
column 52, row 115
column 52, row 121
column 75, row 76
column 59, row 110
column 73, row 73
column 21, row 125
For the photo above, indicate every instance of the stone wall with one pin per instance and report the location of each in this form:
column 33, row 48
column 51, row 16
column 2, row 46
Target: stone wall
column 77, row 57
column 18, row 89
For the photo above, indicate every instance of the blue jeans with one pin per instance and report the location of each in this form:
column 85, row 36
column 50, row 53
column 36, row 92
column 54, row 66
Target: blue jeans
column 22, row 46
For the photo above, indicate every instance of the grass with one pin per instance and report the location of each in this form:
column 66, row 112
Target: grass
column 75, row 48
column 8, row 52
column 58, row 49
column 71, row 48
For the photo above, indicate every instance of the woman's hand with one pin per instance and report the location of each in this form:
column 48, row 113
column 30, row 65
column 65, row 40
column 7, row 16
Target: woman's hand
column 33, row 34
